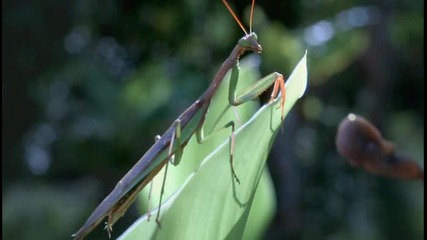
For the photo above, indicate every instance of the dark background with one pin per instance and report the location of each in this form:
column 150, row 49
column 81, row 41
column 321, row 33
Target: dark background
column 86, row 85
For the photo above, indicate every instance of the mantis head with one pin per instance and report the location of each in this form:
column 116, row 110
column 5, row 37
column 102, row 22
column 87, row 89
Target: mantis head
column 250, row 42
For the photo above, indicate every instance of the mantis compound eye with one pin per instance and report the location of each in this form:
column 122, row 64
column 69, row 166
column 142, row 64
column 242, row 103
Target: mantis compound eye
column 362, row 144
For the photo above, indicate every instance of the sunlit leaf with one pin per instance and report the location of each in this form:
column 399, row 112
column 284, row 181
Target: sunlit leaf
column 210, row 204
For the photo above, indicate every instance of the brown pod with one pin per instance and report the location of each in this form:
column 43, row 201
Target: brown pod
column 362, row 144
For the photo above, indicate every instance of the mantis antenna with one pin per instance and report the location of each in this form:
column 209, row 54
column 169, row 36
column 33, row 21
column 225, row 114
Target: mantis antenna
column 251, row 16
column 236, row 18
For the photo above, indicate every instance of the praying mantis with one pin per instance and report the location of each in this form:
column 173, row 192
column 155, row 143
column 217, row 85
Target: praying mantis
column 170, row 146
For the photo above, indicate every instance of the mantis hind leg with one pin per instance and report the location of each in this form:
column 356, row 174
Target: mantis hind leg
column 156, row 138
column 174, row 158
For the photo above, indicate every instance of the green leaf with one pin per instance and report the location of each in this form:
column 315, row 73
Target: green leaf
column 209, row 204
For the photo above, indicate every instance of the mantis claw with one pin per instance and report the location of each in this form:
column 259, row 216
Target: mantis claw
column 232, row 152
column 158, row 223
column 236, row 178
column 279, row 84
column 109, row 229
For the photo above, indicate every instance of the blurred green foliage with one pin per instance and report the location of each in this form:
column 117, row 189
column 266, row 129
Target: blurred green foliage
column 78, row 110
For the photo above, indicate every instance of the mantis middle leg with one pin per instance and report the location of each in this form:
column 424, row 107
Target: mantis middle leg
column 247, row 94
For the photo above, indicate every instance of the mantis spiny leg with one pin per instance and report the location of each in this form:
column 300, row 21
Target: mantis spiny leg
column 156, row 138
column 176, row 159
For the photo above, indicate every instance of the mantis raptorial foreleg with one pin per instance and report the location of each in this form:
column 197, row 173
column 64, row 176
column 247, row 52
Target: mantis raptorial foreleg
column 254, row 90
